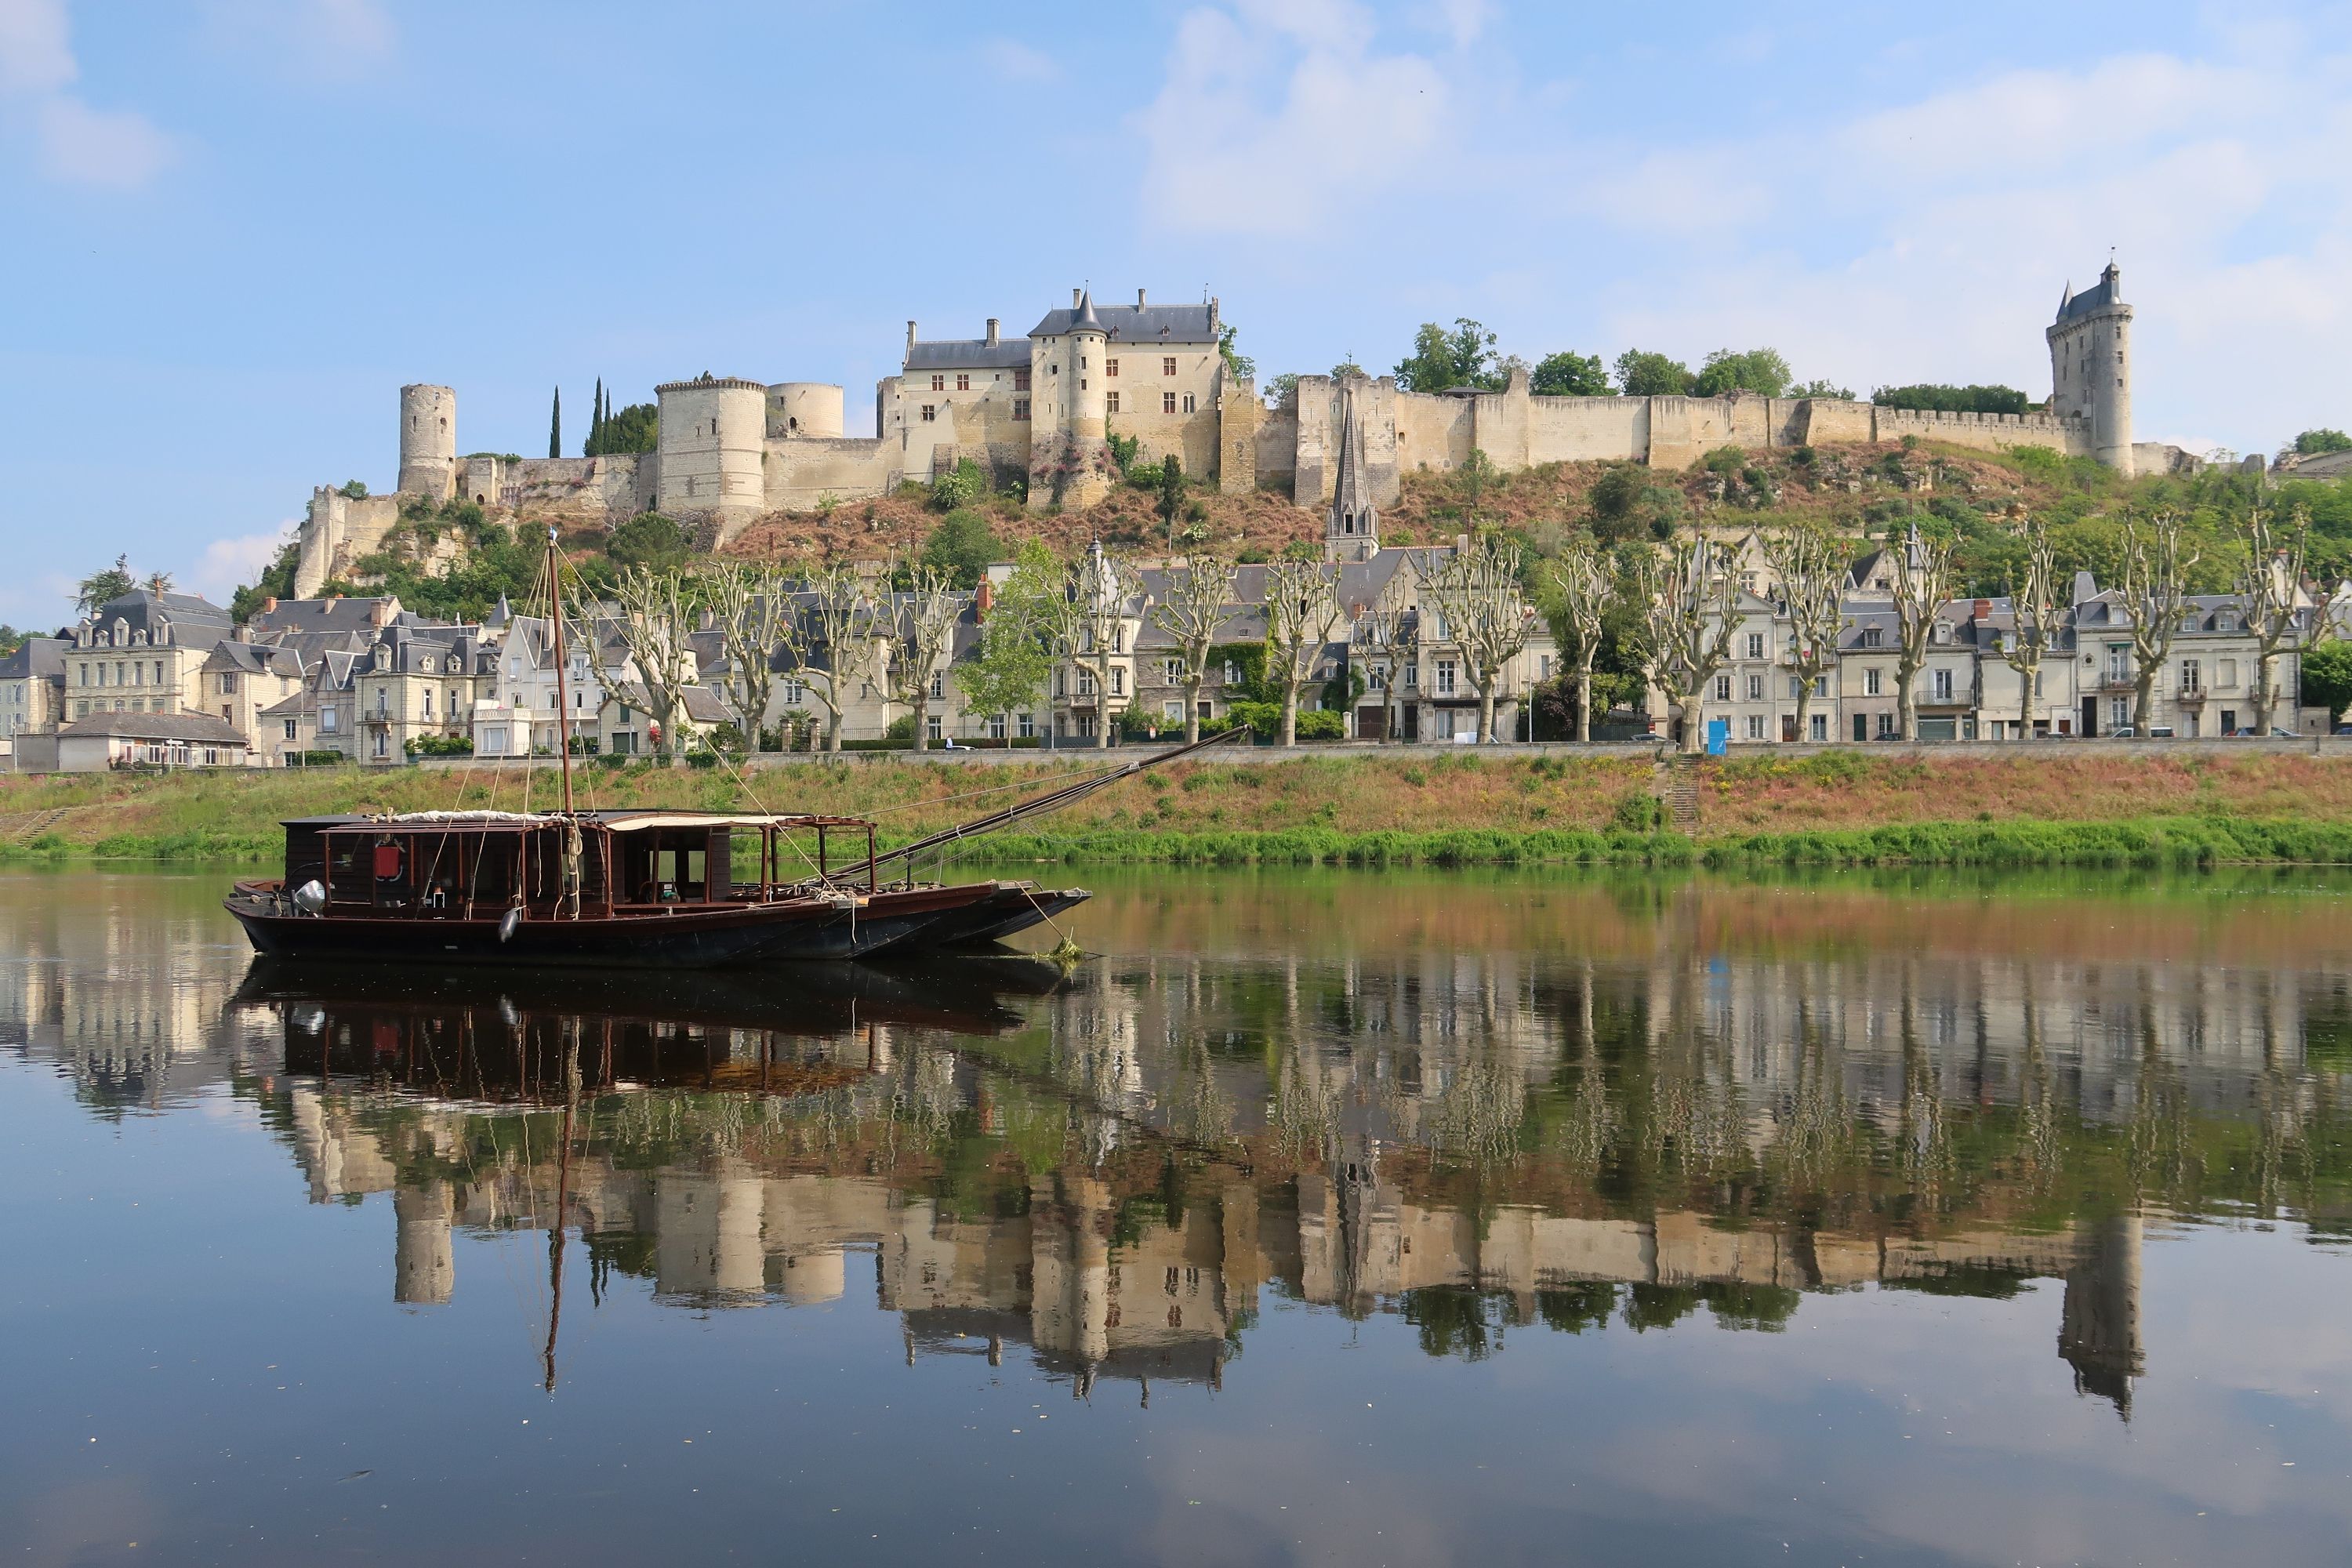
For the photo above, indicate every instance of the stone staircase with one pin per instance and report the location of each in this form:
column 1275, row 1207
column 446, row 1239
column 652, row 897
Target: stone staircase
column 1677, row 788
column 27, row 826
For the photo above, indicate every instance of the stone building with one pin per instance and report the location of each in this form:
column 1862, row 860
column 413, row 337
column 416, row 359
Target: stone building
column 32, row 688
column 140, row 653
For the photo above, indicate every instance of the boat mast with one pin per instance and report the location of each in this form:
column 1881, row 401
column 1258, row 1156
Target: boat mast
column 563, row 697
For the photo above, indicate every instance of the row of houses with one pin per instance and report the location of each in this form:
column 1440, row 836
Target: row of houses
column 1967, row 688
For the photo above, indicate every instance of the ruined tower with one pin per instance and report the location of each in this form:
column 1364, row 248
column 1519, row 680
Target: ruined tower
column 713, row 445
column 428, row 441
column 2090, row 366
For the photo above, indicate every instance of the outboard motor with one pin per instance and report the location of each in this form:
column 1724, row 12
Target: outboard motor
column 310, row 898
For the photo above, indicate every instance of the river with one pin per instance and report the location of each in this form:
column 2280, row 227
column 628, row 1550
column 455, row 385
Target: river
column 1322, row 1218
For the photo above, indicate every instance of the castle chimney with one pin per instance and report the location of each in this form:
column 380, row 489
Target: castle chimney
column 380, row 612
column 1139, row 299
column 269, row 605
column 1984, row 609
column 1074, row 295
column 1214, row 325
column 983, row 600
column 992, row 332
column 911, row 337
column 243, row 633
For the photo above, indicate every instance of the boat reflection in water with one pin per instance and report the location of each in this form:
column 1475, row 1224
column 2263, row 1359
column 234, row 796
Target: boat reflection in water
column 1108, row 1170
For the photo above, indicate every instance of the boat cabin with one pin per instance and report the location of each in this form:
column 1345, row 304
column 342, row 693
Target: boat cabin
column 469, row 865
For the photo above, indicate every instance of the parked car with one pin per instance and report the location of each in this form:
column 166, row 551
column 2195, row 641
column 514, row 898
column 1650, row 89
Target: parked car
column 2344, row 729
column 2279, row 735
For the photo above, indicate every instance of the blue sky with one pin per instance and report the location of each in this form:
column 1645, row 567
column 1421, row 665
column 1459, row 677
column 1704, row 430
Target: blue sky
column 238, row 225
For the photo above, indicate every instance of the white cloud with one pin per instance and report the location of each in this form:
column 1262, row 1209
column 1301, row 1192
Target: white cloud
column 227, row 564
column 1011, row 60
column 319, row 39
column 116, row 148
column 1277, row 113
column 77, row 143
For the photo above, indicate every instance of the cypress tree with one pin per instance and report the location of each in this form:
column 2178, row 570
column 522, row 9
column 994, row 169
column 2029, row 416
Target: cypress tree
column 555, row 426
column 595, row 420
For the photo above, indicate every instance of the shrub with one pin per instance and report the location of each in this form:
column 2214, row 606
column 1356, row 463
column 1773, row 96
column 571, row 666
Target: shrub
column 1637, row 811
column 440, row 746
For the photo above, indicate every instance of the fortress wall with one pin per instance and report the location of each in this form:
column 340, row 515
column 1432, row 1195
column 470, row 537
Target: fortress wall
column 1432, row 432
column 1313, row 473
column 1498, row 424
column 336, row 532
column 1191, row 437
column 1277, row 448
column 1821, row 419
column 805, row 470
column 1986, row 432
column 1579, row 429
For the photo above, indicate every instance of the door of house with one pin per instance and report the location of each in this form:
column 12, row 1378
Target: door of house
column 1788, row 726
column 1412, row 722
column 2090, row 716
column 1371, row 722
column 1862, row 726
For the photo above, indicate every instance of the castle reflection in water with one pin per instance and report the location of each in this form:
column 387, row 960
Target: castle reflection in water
column 1583, row 1108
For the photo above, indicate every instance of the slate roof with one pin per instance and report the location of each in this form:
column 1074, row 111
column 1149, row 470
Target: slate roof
column 254, row 659
column 317, row 616
column 1128, row 325
column 200, row 728
column 2098, row 297
column 187, row 620
column 42, row 658
column 969, row 353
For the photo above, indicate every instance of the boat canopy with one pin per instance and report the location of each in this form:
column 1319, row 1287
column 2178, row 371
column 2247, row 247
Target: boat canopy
column 640, row 822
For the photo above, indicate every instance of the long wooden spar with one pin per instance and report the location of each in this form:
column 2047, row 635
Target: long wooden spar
column 1052, row 800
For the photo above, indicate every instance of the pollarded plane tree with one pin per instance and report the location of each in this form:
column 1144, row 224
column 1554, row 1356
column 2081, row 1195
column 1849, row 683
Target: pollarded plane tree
column 1477, row 594
column 1191, row 609
column 1924, row 576
column 818, row 634
column 748, row 607
column 1301, row 614
column 1387, row 631
column 2034, row 620
column 2270, row 588
column 1813, row 570
column 2158, row 558
column 1093, row 622
column 659, row 607
column 915, row 627
column 1688, row 616
column 1587, row 585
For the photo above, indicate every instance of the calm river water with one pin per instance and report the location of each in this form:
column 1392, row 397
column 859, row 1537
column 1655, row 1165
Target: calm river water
column 1344, row 1218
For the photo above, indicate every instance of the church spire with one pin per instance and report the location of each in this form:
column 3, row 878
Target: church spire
column 1352, row 532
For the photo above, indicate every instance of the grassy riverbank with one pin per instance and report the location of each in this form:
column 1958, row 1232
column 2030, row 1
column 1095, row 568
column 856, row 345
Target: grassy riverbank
column 2044, row 807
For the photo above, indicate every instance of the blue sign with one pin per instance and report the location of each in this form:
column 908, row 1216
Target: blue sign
column 1719, row 736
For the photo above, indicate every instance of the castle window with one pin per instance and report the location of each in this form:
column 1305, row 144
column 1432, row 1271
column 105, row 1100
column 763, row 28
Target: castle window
column 1020, row 381
column 1082, row 383
column 963, row 381
column 1188, row 403
column 1167, row 403
column 1110, row 369
column 931, row 413
column 1021, row 408
column 1168, row 366
column 1111, row 402
column 939, row 384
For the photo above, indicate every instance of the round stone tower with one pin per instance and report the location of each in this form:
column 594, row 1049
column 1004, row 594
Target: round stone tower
column 1087, row 422
column 713, row 441
column 428, row 441
column 804, row 408
column 2090, row 367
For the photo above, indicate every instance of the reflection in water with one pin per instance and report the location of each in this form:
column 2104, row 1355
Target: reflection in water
column 1636, row 1109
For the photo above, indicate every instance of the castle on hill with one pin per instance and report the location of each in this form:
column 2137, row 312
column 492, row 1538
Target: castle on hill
column 1043, row 406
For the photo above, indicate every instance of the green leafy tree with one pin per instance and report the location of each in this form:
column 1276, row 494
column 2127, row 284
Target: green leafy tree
column 959, row 485
column 1441, row 359
column 1344, row 368
column 595, row 420
column 2328, row 676
column 355, row 489
column 1760, row 370
column 1282, row 392
column 555, row 426
column 11, row 640
column 961, row 546
column 1238, row 364
column 637, row 428
column 649, row 540
column 1568, row 374
column 103, row 586
column 1936, row 397
column 276, row 582
column 2312, row 442
column 1641, row 373
column 1476, row 477
column 1823, row 387
column 1015, row 657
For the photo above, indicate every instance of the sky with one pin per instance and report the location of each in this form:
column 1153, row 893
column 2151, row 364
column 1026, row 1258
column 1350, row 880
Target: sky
column 235, row 227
